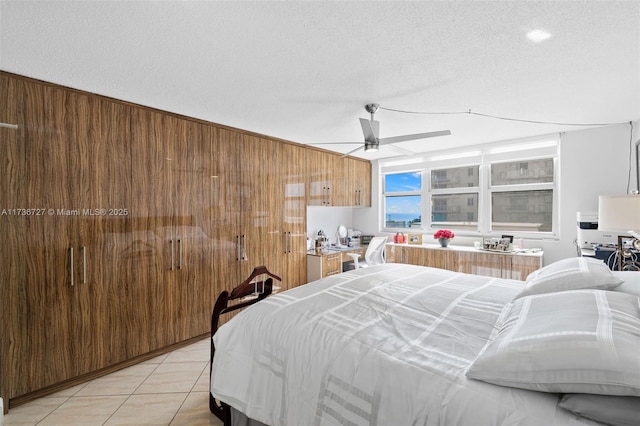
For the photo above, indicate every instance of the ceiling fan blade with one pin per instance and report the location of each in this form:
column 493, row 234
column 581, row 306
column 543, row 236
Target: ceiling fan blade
column 353, row 150
column 334, row 143
column 402, row 150
column 370, row 128
column 396, row 139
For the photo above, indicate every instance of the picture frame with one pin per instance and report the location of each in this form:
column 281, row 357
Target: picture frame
column 497, row 244
column 414, row 239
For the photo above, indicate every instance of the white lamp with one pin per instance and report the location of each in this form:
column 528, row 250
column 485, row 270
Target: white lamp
column 619, row 213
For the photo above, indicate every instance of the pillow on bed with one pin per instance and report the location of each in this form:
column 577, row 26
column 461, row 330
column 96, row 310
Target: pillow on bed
column 581, row 341
column 573, row 273
column 613, row 410
column 630, row 282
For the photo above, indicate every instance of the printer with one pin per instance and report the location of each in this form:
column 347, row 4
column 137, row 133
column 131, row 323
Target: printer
column 588, row 235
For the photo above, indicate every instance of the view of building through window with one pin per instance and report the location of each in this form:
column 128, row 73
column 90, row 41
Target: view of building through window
column 520, row 195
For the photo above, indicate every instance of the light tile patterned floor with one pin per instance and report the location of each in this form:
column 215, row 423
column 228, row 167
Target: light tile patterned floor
column 172, row 389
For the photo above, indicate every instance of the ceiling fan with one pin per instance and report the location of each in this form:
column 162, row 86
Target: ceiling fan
column 371, row 131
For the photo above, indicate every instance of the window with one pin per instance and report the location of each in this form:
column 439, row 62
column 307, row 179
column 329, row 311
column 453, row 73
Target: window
column 507, row 187
column 452, row 203
column 522, row 195
column 403, row 200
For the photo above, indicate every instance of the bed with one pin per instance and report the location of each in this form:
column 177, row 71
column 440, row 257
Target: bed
column 399, row 344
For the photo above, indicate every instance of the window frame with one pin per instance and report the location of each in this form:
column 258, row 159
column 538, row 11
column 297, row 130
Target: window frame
column 483, row 156
column 419, row 192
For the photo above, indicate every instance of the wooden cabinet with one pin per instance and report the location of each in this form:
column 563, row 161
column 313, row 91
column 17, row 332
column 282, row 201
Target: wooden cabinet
column 500, row 265
column 325, row 263
column 294, row 219
column 414, row 255
column 358, row 183
column 122, row 224
column 468, row 260
column 322, row 177
column 59, row 162
column 334, row 180
column 170, row 218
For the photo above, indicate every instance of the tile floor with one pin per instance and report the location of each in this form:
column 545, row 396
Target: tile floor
column 172, row 389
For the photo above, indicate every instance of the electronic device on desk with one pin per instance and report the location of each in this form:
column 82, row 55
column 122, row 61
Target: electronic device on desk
column 588, row 236
column 627, row 259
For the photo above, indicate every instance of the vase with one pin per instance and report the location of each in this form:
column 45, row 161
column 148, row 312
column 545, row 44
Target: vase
column 444, row 242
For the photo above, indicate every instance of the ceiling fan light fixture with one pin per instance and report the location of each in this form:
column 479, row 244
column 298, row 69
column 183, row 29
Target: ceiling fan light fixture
column 371, row 147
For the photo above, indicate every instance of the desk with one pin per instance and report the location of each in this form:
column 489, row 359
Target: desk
column 325, row 262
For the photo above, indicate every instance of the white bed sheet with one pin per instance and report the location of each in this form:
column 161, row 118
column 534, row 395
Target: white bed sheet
column 385, row 345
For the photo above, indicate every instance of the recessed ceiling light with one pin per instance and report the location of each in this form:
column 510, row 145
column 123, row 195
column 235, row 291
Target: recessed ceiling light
column 538, row 35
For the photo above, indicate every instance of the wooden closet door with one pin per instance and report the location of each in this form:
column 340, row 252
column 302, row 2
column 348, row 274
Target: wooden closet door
column 221, row 216
column 196, row 174
column 294, row 218
column 262, row 203
column 145, row 319
column 102, row 185
column 37, row 335
column 320, row 183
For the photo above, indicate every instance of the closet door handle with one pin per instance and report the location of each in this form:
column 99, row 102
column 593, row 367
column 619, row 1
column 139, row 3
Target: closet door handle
column 71, row 264
column 172, row 255
column 179, row 254
column 238, row 247
column 289, row 245
column 84, row 264
column 244, row 248
column 286, row 241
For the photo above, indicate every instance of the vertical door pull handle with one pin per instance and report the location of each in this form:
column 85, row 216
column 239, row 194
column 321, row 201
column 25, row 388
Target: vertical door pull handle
column 244, row 248
column 237, row 247
column 84, row 264
column 172, row 255
column 71, row 264
column 179, row 254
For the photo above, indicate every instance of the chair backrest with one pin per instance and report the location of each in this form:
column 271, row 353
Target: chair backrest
column 375, row 251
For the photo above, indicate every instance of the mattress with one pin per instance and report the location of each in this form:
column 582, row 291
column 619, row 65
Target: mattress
column 384, row 345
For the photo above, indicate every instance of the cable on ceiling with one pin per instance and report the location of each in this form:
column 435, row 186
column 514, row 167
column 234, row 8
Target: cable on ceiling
column 469, row 112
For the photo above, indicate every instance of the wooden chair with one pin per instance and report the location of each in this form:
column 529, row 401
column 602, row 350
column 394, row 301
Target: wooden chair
column 253, row 291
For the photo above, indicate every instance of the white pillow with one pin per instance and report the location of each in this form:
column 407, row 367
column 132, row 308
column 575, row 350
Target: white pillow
column 630, row 282
column 612, row 410
column 570, row 274
column 581, row 341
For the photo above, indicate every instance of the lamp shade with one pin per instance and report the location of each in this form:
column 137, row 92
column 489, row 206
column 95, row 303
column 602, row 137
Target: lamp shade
column 619, row 213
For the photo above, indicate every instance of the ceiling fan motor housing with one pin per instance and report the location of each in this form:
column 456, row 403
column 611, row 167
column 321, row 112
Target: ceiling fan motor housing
column 371, row 108
column 370, row 146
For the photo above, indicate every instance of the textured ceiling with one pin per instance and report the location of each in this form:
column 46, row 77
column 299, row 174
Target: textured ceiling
column 303, row 71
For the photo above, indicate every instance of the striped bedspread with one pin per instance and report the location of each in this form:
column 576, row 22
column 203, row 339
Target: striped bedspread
column 385, row 345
